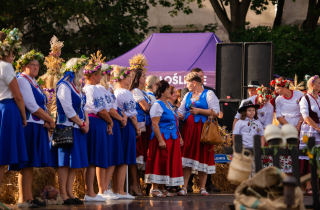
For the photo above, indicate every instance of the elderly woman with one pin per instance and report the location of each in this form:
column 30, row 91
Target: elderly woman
column 150, row 87
column 115, row 151
column 71, row 112
column 36, row 132
column 310, row 110
column 12, row 108
column 143, row 105
column 97, row 137
column 127, row 104
column 164, row 166
column 195, row 108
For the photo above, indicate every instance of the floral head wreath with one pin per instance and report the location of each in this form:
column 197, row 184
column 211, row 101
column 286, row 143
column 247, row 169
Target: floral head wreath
column 263, row 95
column 280, row 82
column 27, row 58
column 12, row 42
column 122, row 75
column 106, row 69
column 314, row 78
column 69, row 71
column 96, row 61
column 138, row 61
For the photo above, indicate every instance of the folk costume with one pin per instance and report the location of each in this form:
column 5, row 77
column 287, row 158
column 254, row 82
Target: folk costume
column 71, row 102
column 164, row 166
column 196, row 155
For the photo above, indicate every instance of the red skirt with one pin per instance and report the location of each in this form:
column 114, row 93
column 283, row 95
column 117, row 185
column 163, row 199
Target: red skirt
column 195, row 154
column 142, row 148
column 164, row 166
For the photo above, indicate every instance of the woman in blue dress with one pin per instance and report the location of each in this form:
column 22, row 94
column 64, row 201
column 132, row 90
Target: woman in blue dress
column 115, row 151
column 127, row 104
column 12, row 109
column 71, row 112
column 36, row 132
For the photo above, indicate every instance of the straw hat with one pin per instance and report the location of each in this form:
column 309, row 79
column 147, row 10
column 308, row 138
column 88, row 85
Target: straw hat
column 272, row 132
column 289, row 131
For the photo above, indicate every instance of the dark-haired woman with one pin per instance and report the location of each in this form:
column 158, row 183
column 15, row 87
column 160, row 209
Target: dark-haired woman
column 164, row 165
column 195, row 108
column 174, row 98
column 143, row 105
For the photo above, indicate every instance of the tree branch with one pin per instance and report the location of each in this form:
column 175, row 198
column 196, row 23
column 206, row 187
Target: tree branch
column 222, row 14
column 312, row 16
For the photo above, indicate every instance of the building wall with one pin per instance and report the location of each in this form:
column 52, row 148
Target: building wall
column 294, row 13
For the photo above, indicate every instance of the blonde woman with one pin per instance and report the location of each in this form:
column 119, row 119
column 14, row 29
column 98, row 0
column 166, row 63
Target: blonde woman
column 150, row 87
column 115, row 151
column 310, row 111
column 127, row 104
column 70, row 99
column 196, row 107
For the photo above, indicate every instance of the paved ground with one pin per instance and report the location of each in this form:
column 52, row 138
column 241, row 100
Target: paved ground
column 218, row 201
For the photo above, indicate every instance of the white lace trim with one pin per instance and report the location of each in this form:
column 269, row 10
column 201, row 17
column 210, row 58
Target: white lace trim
column 164, row 179
column 196, row 166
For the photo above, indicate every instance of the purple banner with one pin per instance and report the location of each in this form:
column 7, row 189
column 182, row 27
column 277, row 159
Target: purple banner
column 177, row 78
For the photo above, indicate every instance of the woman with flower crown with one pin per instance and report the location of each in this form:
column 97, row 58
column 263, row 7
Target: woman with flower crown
column 196, row 107
column 71, row 111
column 98, row 136
column 126, row 102
column 287, row 112
column 12, row 109
column 310, row 111
column 36, row 132
column 115, row 151
column 143, row 105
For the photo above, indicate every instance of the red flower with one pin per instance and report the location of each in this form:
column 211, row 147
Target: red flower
column 248, row 123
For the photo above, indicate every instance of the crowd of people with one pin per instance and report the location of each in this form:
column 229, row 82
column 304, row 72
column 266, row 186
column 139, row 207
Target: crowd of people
column 118, row 118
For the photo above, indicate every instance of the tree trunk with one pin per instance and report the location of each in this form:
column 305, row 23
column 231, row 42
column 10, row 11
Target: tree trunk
column 238, row 12
column 312, row 16
column 277, row 20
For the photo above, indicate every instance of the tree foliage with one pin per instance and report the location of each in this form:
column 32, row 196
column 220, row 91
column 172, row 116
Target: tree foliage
column 295, row 51
column 85, row 26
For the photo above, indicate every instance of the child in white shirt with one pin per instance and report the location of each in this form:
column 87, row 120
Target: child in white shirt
column 248, row 126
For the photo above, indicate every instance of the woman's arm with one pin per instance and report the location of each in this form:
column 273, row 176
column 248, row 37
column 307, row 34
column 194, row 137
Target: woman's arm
column 282, row 120
column 299, row 123
column 157, row 133
column 115, row 115
column 145, row 106
column 17, row 96
column 44, row 116
column 312, row 123
column 105, row 116
column 135, row 125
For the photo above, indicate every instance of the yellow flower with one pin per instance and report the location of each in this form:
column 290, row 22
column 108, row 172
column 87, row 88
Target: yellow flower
column 18, row 65
column 309, row 155
column 305, row 139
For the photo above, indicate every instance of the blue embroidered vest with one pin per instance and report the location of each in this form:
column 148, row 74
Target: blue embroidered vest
column 76, row 103
column 201, row 103
column 142, row 116
column 167, row 123
column 41, row 100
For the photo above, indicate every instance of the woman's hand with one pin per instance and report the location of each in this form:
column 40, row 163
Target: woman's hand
column 109, row 130
column 181, row 142
column 24, row 122
column 85, row 129
column 181, row 117
column 46, row 125
column 194, row 111
column 162, row 144
column 298, row 127
column 138, row 133
column 123, row 122
column 51, row 124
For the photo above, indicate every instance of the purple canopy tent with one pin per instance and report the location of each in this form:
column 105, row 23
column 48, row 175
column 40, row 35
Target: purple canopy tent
column 171, row 55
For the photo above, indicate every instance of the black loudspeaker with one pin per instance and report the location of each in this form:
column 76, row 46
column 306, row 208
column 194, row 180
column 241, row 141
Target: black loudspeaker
column 258, row 63
column 229, row 110
column 229, row 70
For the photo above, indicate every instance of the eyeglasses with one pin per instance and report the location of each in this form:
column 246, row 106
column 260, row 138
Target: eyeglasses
column 34, row 65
